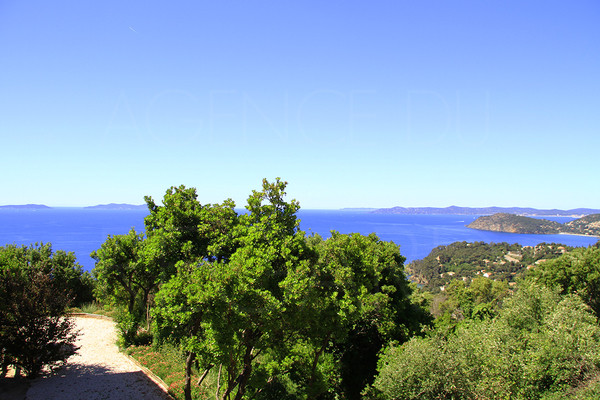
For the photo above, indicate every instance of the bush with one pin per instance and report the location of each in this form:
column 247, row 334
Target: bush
column 128, row 326
column 33, row 329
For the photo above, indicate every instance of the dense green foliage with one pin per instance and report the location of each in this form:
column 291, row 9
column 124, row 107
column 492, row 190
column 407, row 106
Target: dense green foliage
column 36, row 286
column 540, row 343
column 575, row 272
column 539, row 339
column 461, row 302
column 282, row 315
column 130, row 268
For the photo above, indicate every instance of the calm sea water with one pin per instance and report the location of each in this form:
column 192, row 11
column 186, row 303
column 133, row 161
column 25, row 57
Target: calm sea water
column 84, row 230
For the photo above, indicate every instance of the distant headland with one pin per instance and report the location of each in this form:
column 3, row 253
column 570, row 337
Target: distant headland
column 25, row 207
column 120, row 206
column 454, row 210
column 111, row 206
column 503, row 222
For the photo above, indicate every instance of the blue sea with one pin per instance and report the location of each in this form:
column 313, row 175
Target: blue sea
column 82, row 230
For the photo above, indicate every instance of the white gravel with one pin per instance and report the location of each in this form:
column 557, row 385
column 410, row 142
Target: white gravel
column 97, row 371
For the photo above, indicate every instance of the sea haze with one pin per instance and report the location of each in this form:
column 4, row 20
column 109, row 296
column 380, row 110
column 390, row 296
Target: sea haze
column 83, row 230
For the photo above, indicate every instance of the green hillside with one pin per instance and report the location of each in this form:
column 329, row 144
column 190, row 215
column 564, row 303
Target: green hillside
column 466, row 261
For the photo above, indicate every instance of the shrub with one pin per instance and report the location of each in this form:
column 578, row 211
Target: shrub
column 33, row 329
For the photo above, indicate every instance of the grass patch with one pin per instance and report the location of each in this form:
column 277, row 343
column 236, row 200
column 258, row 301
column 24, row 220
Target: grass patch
column 91, row 308
column 97, row 308
column 169, row 365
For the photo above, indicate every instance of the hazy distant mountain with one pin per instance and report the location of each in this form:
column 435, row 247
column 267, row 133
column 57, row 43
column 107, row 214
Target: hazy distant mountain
column 454, row 210
column 115, row 206
column 26, row 207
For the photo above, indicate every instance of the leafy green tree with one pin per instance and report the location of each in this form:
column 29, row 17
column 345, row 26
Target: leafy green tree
column 183, row 312
column 363, row 301
column 35, row 290
column 126, row 278
column 182, row 229
column 67, row 273
column 130, row 268
column 120, row 270
column 235, row 308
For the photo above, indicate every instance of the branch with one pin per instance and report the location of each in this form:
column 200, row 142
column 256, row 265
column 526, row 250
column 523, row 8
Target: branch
column 204, row 375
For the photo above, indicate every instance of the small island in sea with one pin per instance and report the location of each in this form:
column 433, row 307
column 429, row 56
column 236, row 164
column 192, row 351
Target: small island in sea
column 588, row 225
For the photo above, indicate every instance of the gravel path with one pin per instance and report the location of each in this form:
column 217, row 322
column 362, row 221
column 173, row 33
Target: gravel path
column 97, row 371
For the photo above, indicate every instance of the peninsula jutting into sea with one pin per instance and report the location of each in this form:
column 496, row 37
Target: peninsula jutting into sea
column 588, row 225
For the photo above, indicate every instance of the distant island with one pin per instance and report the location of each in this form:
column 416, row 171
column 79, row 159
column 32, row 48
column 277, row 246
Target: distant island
column 121, row 206
column 454, row 210
column 25, row 207
column 504, row 222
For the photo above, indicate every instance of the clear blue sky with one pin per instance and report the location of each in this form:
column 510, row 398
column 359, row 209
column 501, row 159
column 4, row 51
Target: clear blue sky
column 355, row 104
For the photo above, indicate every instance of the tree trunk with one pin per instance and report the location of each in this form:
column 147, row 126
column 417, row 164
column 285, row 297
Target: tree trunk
column 145, row 303
column 187, row 390
column 245, row 375
column 313, row 371
column 131, row 303
column 218, row 382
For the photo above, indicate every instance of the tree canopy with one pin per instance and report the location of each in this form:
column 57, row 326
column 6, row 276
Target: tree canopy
column 282, row 313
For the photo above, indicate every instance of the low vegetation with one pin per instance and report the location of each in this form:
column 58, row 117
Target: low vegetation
column 538, row 340
column 539, row 343
column 168, row 364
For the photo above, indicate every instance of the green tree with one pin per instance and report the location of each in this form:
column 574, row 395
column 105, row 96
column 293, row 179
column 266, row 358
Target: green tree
column 363, row 303
column 183, row 229
column 126, row 278
column 234, row 311
column 120, row 270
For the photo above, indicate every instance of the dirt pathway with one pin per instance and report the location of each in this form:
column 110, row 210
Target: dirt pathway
column 97, row 371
